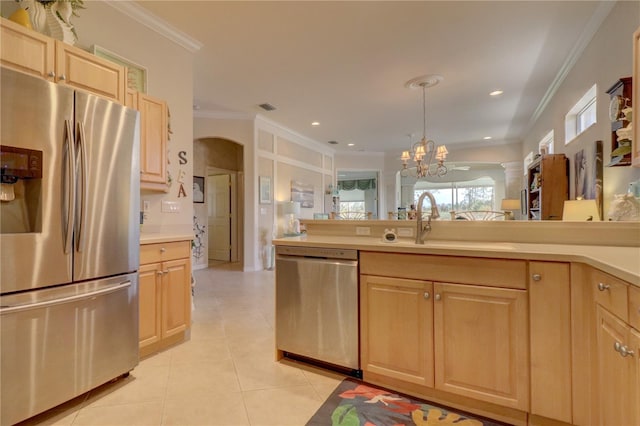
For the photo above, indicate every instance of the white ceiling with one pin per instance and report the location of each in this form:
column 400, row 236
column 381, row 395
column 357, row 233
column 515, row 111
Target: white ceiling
column 345, row 64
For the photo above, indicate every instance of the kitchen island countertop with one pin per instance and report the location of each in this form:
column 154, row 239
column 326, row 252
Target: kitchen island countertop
column 622, row 262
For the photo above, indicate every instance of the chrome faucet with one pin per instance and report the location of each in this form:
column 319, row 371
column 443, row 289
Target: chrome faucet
column 423, row 230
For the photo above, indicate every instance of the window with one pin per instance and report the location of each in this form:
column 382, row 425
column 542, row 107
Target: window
column 544, row 147
column 581, row 116
column 478, row 194
column 352, row 204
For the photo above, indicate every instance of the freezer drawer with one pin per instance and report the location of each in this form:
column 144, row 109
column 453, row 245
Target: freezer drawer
column 59, row 343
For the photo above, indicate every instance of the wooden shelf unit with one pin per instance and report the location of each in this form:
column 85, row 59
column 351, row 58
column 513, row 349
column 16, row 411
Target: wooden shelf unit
column 547, row 187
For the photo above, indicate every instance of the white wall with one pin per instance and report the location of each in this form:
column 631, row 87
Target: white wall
column 169, row 77
column 607, row 58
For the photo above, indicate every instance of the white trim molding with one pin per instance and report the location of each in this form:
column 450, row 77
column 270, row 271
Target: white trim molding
column 157, row 24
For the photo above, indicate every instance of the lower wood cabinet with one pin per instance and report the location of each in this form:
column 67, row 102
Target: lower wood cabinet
column 164, row 294
column 466, row 340
column 482, row 343
column 396, row 323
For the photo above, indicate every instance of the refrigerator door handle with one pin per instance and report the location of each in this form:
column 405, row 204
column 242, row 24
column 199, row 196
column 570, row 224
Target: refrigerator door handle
column 83, row 190
column 47, row 303
column 69, row 192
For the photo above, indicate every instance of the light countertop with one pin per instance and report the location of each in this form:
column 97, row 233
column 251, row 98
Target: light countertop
column 162, row 237
column 622, row 262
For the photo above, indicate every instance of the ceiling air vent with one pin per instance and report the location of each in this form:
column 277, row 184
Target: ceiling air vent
column 267, row 107
column 333, row 142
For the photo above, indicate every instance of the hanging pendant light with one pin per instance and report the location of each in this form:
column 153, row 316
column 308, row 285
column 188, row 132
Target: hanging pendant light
column 424, row 147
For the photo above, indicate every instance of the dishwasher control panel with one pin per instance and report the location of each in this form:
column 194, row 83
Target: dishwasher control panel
column 328, row 253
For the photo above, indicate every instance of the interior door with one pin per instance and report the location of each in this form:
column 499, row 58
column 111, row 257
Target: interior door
column 219, row 207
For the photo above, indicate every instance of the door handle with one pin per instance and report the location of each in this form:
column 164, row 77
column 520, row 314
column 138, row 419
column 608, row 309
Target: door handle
column 84, row 192
column 69, row 176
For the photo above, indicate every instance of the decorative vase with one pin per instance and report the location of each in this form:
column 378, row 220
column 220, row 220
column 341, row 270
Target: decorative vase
column 21, row 17
column 52, row 20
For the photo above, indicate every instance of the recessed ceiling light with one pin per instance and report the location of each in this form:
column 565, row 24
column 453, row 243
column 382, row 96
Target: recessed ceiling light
column 486, row 138
column 315, row 123
column 496, row 93
column 350, row 144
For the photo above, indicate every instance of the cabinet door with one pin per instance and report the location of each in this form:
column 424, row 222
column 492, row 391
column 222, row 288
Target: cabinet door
column 615, row 373
column 131, row 99
column 153, row 142
column 85, row 71
column 26, row 50
column 396, row 321
column 550, row 328
column 149, row 294
column 481, row 343
column 634, row 344
column 176, row 296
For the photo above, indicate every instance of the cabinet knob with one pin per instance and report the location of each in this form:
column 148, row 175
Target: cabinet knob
column 536, row 277
column 438, row 297
column 62, row 77
column 162, row 250
column 622, row 349
column 426, row 295
column 51, row 74
column 160, row 272
column 603, row 286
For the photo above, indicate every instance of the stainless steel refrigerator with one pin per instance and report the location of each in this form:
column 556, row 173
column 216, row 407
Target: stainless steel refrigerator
column 69, row 243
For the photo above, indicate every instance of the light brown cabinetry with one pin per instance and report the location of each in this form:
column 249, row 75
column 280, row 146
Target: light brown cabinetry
column 606, row 363
column 470, row 340
column 27, row 51
column 547, row 187
column 153, row 139
column 397, row 328
column 165, row 294
column 616, row 353
column 481, row 343
column 550, row 328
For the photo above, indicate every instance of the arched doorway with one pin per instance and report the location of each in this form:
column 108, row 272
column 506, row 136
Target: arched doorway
column 220, row 162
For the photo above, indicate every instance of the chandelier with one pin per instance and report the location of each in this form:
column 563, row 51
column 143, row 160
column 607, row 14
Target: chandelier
column 425, row 151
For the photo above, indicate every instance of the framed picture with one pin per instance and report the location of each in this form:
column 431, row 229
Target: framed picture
column 136, row 74
column 264, row 187
column 198, row 189
column 302, row 193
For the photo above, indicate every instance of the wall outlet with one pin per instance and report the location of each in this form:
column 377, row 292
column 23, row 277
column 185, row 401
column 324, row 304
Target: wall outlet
column 405, row 232
column 170, row 207
column 363, row 230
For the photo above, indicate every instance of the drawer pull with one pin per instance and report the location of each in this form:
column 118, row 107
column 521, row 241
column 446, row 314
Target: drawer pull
column 536, row 277
column 162, row 250
column 622, row 349
column 438, row 297
column 426, row 295
column 603, row 286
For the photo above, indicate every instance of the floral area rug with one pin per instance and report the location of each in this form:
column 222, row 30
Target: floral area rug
column 355, row 403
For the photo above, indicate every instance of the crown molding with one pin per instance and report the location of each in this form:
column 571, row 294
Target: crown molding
column 162, row 27
column 223, row 115
column 594, row 24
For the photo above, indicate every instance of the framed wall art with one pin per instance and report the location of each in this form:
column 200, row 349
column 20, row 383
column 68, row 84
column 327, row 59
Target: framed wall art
column 264, row 188
column 198, row 189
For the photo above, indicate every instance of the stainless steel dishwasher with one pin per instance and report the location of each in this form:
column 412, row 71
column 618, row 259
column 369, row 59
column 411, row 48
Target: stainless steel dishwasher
column 317, row 305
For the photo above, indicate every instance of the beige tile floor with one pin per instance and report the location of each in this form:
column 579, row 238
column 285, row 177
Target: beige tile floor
column 224, row 375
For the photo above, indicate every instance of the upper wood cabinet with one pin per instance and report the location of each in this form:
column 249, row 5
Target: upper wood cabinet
column 635, row 99
column 547, row 187
column 30, row 52
column 153, row 142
